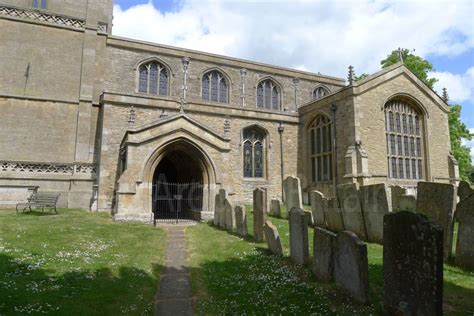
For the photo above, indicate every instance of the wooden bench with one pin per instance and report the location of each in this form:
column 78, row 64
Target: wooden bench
column 40, row 200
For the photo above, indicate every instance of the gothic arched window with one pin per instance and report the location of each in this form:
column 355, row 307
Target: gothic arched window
column 268, row 95
column 404, row 136
column 253, row 152
column 320, row 92
column 214, row 87
column 320, row 138
column 153, row 78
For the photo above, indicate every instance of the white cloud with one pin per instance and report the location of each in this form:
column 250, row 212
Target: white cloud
column 460, row 86
column 320, row 36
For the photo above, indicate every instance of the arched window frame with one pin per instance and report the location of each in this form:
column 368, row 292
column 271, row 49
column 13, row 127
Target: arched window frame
column 268, row 95
column 254, row 152
column 221, row 88
column 404, row 134
column 319, row 92
column 320, row 149
column 161, row 84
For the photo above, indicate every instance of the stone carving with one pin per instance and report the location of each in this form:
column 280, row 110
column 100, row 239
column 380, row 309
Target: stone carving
column 102, row 27
column 229, row 215
column 47, row 168
column 375, row 205
column 241, row 221
column 293, row 198
column 324, row 243
column 317, row 208
column 351, row 209
column 42, row 17
column 465, row 243
column 333, row 215
column 412, row 265
column 437, row 201
column 351, row 271
column 273, row 238
column 299, row 252
column 464, row 190
column 396, row 193
column 259, row 213
column 275, row 208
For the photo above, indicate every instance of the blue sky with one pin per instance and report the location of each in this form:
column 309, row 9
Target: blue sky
column 318, row 36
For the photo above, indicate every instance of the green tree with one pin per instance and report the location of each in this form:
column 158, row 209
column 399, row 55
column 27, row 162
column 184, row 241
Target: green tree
column 457, row 129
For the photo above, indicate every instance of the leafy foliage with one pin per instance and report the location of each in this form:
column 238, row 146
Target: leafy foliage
column 457, row 131
column 361, row 77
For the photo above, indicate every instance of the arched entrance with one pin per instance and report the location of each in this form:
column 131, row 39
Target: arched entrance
column 180, row 183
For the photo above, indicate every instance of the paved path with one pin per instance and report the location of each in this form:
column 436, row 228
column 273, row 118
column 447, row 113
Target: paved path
column 175, row 296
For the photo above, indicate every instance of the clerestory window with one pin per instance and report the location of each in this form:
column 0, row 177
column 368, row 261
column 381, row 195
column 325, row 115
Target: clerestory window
column 215, row 87
column 153, row 78
column 320, row 92
column 268, row 95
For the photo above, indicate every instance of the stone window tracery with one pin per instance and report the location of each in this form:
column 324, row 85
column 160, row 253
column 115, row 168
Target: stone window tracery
column 404, row 141
column 214, row 87
column 320, row 137
column 320, row 92
column 268, row 95
column 253, row 152
column 153, row 78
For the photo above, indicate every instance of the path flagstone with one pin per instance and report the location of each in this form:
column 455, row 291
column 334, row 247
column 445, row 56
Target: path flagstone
column 174, row 295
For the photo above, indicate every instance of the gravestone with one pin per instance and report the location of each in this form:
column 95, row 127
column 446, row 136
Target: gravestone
column 465, row 243
column 375, row 204
column 437, row 201
column 216, row 210
column 464, row 190
column 396, row 193
column 317, row 208
column 229, row 215
column 293, row 198
column 351, row 268
column 407, row 202
column 275, row 208
column 351, row 209
column 299, row 251
column 324, row 243
column 222, row 214
column 259, row 213
column 412, row 265
column 333, row 215
column 273, row 238
column 241, row 221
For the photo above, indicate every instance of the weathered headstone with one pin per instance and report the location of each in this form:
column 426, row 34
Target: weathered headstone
column 293, row 198
column 412, row 265
column 464, row 190
column 299, row 251
column 397, row 192
column 465, row 243
column 222, row 214
column 273, row 238
column 317, row 208
column 216, row 210
column 407, row 202
column 259, row 213
column 375, row 204
column 229, row 215
column 241, row 220
column 324, row 243
column 351, row 209
column 275, row 208
column 437, row 201
column 351, row 268
column 333, row 215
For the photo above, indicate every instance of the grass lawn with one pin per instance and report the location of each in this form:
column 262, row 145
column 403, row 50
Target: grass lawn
column 232, row 275
column 77, row 263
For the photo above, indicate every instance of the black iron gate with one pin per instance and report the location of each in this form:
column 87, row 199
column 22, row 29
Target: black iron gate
column 173, row 202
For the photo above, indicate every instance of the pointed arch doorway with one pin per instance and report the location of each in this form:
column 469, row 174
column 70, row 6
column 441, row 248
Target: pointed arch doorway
column 180, row 184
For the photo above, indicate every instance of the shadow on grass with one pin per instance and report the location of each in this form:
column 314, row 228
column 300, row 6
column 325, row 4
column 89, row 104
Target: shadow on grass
column 36, row 212
column 26, row 289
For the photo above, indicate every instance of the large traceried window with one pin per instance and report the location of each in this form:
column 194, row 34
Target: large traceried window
column 268, row 95
column 320, row 92
column 215, row 87
column 320, row 138
column 153, row 78
column 253, row 152
column 404, row 136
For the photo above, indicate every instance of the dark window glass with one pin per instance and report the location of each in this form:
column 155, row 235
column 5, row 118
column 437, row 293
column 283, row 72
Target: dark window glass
column 223, row 91
column 405, row 144
column 399, row 145
column 153, row 89
column 258, row 154
column 407, row 168
column 275, row 99
column 418, row 147
column 410, row 124
column 260, row 96
column 413, row 169
column 268, row 95
column 214, row 87
column 248, row 163
column 417, row 125
column 399, row 127
column 163, row 82
column 392, row 145
column 400, row 168
column 394, row 167
column 319, row 92
column 36, row 4
column 390, row 117
column 205, row 88
column 404, row 121
column 253, row 153
column 143, row 79
column 313, row 170
column 420, row 169
column 312, row 142
column 43, row 4
column 412, row 147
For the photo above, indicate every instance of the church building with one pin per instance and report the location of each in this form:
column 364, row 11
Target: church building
column 125, row 126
